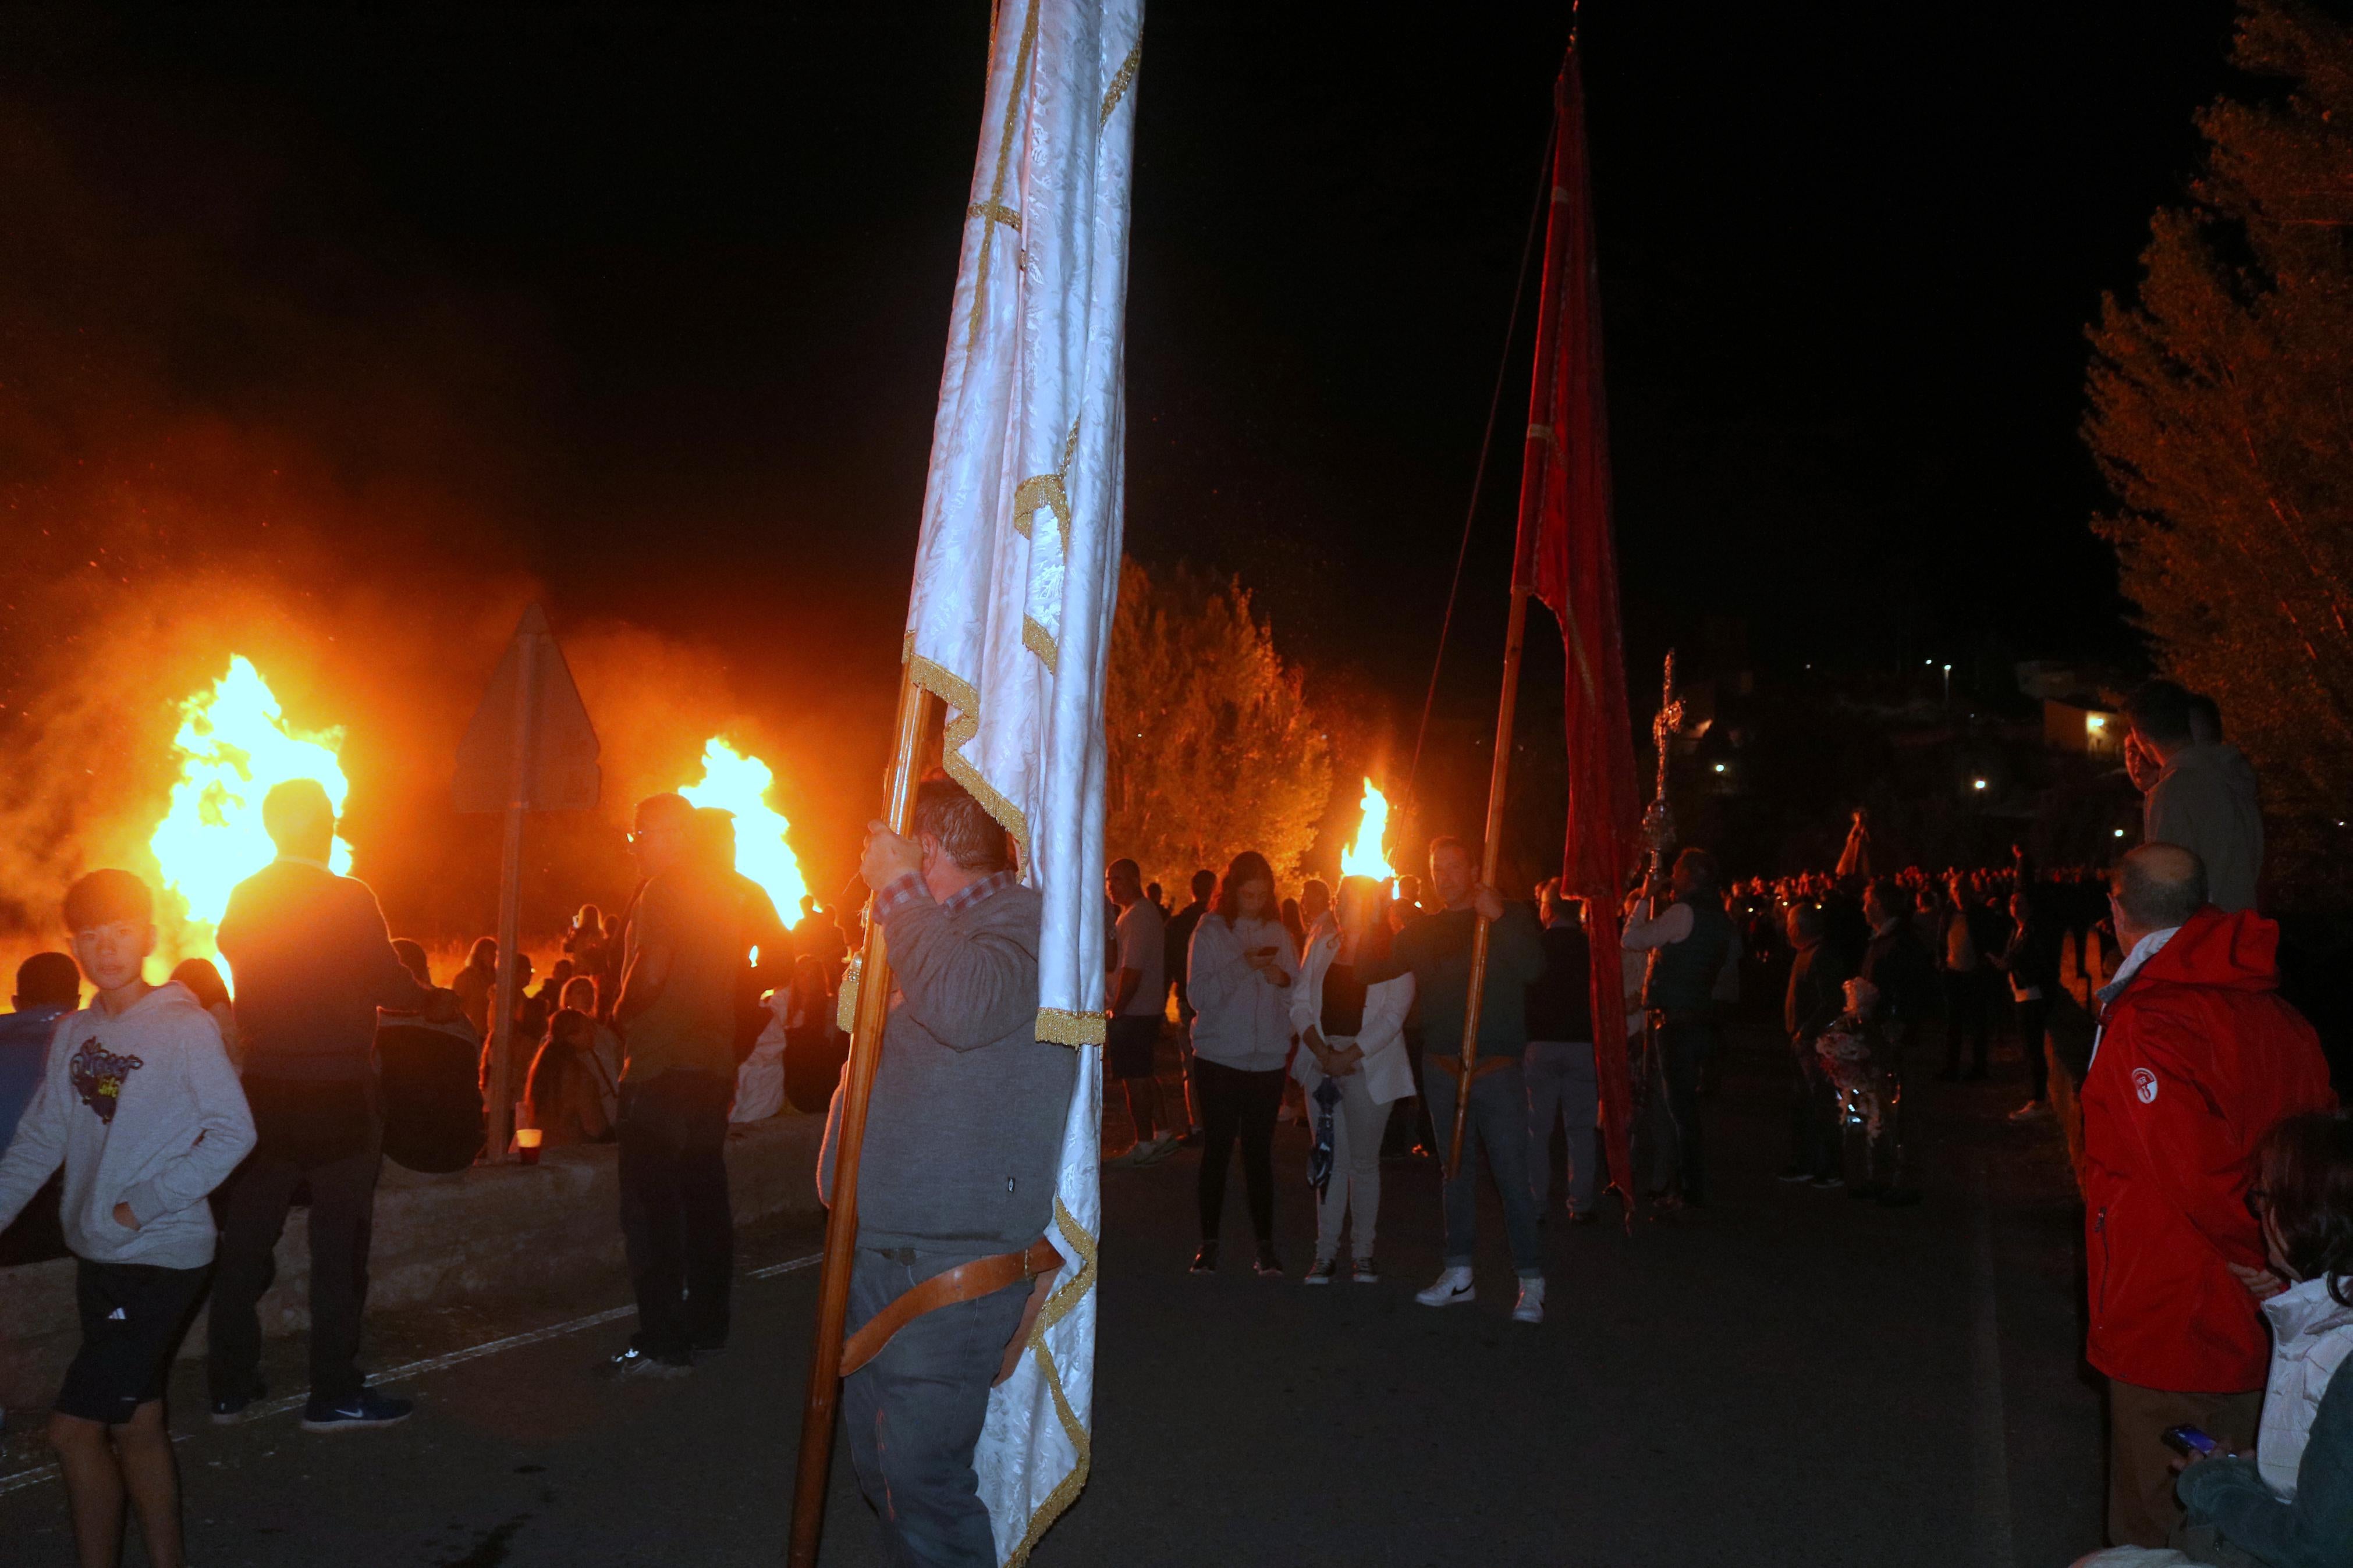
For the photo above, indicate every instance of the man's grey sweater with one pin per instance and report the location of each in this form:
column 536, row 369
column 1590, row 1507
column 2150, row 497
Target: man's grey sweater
column 963, row 1133
column 2205, row 800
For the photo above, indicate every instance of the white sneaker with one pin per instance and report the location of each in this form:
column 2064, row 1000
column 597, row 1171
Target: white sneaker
column 1452, row 1288
column 1530, row 1307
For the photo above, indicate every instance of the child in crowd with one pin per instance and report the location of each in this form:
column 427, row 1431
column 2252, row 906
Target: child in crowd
column 140, row 1105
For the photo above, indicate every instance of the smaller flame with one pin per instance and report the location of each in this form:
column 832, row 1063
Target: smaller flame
column 739, row 784
column 233, row 745
column 1366, row 857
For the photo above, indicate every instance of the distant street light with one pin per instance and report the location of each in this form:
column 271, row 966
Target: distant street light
column 1719, row 768
column 2120, row 831
column 1977, row 783
column 1948, row 686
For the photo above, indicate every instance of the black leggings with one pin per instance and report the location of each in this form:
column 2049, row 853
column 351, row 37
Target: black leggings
column 1234, row 1104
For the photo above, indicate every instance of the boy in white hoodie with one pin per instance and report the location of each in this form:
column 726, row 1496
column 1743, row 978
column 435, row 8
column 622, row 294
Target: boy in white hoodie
column 141, row 1108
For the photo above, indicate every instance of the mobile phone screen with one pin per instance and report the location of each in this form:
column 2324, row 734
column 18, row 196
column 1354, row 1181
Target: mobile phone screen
column 2189, row 1442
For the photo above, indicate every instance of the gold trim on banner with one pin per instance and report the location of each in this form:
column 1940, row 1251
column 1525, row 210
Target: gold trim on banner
column 1058, row 1306
column 845, row 1013
column 1061, row 1027
column 996, row 212
column 957, row 693
column 1041, row 641
column 1120, row 82
column 1050, row 490
column 996, row 189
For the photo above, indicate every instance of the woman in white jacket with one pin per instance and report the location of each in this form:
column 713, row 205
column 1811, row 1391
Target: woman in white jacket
column 1238, row 977
column 1349, row 1008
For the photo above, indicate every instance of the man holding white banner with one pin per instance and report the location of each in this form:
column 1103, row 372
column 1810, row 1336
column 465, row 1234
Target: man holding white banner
column 1009, row 623
column 956, row 1191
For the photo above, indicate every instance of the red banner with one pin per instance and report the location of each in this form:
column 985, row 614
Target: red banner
column 1566, row 555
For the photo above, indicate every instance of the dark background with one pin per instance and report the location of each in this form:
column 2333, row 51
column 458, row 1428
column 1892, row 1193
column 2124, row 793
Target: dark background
column 645, row 306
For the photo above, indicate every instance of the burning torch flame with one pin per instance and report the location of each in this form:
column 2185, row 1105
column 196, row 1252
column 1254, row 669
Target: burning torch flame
column 1366, row 857
column 740, row 784
column 233, row 745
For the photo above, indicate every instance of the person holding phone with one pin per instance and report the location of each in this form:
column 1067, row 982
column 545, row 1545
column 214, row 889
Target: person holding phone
column 2290, row 1505
column 1238, row 975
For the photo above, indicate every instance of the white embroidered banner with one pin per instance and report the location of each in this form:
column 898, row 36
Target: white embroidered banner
column 1009, row 622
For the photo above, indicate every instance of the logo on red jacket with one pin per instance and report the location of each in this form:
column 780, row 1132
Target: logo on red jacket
column 2145, row 1085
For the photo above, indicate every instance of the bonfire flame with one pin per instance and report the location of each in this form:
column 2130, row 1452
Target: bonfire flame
column 739, row 784
column 233, row 745
column 1366, row 857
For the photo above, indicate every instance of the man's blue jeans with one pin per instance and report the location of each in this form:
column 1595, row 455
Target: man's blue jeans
column 915, row 1411
column 1562, row 1087
column 1498, row 1123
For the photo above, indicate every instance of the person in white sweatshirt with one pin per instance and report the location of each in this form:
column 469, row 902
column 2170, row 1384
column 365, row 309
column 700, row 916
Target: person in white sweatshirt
column 1240, row 974
column 140, row 1105
column 1349, row 1008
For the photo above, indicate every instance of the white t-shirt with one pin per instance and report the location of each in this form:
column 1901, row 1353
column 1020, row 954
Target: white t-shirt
column 1139, row 944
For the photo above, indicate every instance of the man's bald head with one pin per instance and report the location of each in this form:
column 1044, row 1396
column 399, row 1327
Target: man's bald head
column 2157, row 887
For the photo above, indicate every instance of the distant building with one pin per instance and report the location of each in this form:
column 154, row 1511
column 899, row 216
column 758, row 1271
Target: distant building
column 2078, row 723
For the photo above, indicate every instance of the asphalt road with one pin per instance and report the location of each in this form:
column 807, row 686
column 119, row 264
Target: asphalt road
column 1788, row 1377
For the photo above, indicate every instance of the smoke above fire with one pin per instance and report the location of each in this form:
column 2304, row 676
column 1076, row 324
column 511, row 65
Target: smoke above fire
column 331, row 476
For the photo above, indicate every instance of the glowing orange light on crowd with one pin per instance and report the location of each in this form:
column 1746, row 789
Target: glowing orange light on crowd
column 736, row 782
column 1366, row 857
column 232, row 746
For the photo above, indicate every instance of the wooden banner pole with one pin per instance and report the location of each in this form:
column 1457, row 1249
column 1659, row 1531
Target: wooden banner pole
column 1498, row 781
column 824, row 1391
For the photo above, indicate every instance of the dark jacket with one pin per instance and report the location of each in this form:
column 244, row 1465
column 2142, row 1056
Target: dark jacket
column 1437, row 948
column 2032, row 957
column 1561, row 1000
column 1682, row 979
column 313, row 962
column 1816, row 996
column 1894, row 962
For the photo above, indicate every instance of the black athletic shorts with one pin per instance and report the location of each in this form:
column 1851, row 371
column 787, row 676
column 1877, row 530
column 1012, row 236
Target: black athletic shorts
column 1128, row 1043
column 132, row 1316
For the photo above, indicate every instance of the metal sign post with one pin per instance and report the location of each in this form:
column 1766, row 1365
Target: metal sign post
column 530, row 747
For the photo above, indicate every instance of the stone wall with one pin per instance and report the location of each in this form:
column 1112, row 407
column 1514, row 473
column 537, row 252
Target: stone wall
column 439, row 1239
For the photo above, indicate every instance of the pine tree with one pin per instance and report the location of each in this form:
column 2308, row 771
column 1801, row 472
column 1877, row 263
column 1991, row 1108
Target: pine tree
column 2222, row 418
column 1213, row 749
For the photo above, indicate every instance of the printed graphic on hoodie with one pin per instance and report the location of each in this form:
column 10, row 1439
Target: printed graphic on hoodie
column 98, row 1076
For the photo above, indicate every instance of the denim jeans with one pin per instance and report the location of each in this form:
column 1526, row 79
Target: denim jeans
column 915, row 1411
column 1497, row 1123
column 1562, row 1087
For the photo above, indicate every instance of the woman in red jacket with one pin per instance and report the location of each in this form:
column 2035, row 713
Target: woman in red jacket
column 2196, row 1058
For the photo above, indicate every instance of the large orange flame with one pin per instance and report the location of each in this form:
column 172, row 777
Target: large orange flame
column 232, row 744
column 736, row 782
column 1366, row 857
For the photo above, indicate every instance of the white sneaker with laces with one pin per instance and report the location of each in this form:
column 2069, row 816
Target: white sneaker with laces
column 1530, row 1306
column 1451, row 1289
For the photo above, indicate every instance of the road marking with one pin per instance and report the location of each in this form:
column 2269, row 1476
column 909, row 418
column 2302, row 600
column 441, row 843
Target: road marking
column 1989, row 1427
column 416, row 1368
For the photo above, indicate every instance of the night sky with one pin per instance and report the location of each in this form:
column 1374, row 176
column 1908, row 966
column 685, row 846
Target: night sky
column 654, row 300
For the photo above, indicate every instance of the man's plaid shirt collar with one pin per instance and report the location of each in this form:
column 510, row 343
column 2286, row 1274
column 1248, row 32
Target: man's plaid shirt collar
column 908, row 888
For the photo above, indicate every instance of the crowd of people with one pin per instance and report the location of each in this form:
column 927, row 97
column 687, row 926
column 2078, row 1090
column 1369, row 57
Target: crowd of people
column 2195, row 1105
column 2216, row 1169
